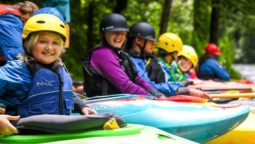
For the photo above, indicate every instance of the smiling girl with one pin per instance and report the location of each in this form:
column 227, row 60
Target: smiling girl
column 38, row 83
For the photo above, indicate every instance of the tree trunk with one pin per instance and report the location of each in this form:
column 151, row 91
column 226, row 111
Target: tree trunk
column 90, row 34
column 201, row 25
column 165, row 16
column 214, row 25
column 120, row 6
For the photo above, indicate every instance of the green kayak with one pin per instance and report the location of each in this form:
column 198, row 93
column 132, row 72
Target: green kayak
column 130, row 134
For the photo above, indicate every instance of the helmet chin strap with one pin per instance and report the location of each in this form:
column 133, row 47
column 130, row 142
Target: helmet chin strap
column 171, row 56
column 142, row 47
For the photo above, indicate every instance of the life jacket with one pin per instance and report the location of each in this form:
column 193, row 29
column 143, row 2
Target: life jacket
column 170, row 71
column 5, row 9
column 2, row 61
column 50, row 92
column 179, row 75
column 192, row 74
column 213, row 77
column 95, row 84
column 153, row 68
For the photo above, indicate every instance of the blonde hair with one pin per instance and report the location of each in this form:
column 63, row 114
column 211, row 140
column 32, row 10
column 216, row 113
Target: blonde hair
column 29, row 44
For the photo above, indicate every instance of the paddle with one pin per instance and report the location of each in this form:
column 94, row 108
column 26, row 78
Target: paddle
column 233, row 95
column 226, row 88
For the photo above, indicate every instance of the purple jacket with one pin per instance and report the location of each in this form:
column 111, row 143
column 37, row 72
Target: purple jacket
column 107, row 63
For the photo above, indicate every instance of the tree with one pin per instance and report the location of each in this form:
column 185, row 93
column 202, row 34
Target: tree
column 214, row 24
column 201, row 24
column 90, row 32
column 120, row 6
column 165, row 16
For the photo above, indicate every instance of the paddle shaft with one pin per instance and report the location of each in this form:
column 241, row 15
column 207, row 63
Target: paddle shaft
column 239, row 95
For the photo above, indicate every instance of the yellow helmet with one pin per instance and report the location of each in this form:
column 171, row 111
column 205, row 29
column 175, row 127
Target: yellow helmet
column 44, row 22
column 170, row 42
column 190, row 55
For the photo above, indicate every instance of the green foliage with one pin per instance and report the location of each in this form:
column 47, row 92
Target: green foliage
column 181, row 17
column 201, row 24
column 148, row 11
column 79, row 29
column 190, row 19
column 227, row 46
column 247, row 43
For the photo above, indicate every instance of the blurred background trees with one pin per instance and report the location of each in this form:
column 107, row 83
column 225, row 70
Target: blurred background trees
column 229, row 23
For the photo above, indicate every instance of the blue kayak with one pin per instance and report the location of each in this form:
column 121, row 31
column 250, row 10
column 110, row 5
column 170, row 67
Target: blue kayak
column 199, row 123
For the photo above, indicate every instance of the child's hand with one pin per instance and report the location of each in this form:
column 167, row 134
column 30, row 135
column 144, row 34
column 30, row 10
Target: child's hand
column 88, row 111
column 6, row 128
column 163, row 97
column 2, row 110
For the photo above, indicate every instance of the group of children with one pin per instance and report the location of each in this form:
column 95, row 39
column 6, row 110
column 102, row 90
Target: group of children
column 115, row 67
column 39, row 83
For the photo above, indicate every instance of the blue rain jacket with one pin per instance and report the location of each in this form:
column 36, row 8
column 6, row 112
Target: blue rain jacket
column 211, row 69
column 11, row 28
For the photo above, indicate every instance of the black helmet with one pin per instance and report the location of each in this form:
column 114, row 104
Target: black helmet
column 142, row 30
column 113, row 22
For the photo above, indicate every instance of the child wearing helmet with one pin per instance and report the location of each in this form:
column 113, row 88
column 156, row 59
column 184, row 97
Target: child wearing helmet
column 140, row 43
column 108, row 69
column 209, row 66
column 169, row 45
column 186, row 61
column 38, row 82
column 12, row 19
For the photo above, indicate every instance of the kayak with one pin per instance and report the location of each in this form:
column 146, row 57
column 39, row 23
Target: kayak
column 244, row 133
column 130, row 134
column 199, row 123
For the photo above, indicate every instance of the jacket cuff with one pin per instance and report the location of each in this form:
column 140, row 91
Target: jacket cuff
column 183, row 91
column 79, row 103
column 155, row 93
column 186, row 83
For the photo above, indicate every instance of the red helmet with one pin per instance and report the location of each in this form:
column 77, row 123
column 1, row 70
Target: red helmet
column 212, row 48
